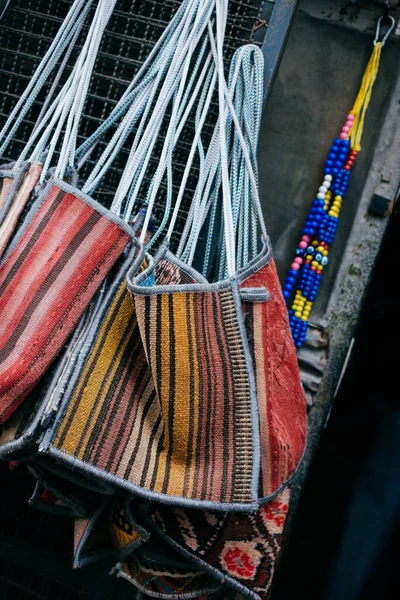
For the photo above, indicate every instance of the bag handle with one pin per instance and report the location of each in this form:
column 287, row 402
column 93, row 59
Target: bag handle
column 150, row 66
column 66, row 109
column 192, row 34
column 166, row 80
column 242, row 110
column 209, row 76
column 66, row 37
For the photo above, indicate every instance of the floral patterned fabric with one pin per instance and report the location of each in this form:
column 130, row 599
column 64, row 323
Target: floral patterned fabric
column 239, row 549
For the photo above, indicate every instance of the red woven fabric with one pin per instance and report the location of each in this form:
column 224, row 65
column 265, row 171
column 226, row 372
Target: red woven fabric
column 281, row 399
column 45, row 285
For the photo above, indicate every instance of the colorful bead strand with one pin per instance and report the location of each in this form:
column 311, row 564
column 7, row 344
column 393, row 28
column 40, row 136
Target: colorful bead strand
column 312, row 253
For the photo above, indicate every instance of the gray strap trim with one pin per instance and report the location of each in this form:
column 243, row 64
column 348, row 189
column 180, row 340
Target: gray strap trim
column 260, row 294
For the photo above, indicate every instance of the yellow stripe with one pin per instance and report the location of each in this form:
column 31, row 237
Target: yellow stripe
column 181, row 395
column 72, row 405
column 84, row 399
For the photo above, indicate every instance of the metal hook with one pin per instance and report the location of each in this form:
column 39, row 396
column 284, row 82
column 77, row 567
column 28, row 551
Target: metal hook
column 378, row 29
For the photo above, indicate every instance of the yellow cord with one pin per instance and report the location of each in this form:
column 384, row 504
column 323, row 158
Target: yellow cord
column 364, row 95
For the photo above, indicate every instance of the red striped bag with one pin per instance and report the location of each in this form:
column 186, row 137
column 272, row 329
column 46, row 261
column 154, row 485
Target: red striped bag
column 48, row 276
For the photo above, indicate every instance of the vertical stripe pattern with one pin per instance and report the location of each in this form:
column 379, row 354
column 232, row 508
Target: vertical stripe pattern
column 45, row 285
column 281, row 399
column 163, row 400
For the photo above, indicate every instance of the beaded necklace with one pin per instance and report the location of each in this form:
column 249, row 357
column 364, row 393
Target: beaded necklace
column 312, row 253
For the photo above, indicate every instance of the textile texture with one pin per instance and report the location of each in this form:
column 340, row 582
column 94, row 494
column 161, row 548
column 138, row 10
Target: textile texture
column 60, row 494
column 91, row 538
column 17, row 205
column 239, row 549
column 160, row 571
column 280, row 395
column 46, row 282
column 125, row 534
column 120, row 422
column 160, row 581
column 196, row 356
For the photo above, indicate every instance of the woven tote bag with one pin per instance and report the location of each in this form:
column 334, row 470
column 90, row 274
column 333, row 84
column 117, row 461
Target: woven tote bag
column 224, row 364
column 225, row 370
column 66, row 245
column 65, row 249
column 19, row 438
column 238, row 550
column 111, row 424
column 18, row 179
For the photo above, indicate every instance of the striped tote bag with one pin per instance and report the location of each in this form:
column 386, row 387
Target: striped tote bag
column 112, row 422
column 191, row 392
column 220, row 352
column 51, row 271
column 225, row 373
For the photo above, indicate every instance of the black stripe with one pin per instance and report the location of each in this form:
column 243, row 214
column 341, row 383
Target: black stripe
column 209, row 399
column 111, row 403
column 131, row 405
column 158, row 451
column 132, row 459
column 192, row 399
column 127, row 362
column 103, row 386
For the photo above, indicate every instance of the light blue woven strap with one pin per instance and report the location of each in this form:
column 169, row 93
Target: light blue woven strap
column 66, row 37
column 242, row 114
column 59, row 125
column 147, row 71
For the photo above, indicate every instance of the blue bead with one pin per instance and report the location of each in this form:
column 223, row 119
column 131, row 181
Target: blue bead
column 329, row 163
column 327, row 171
column 338, row 164
column 335, row 171
column 337, row 141
column 331, row 156
column 342, row 156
